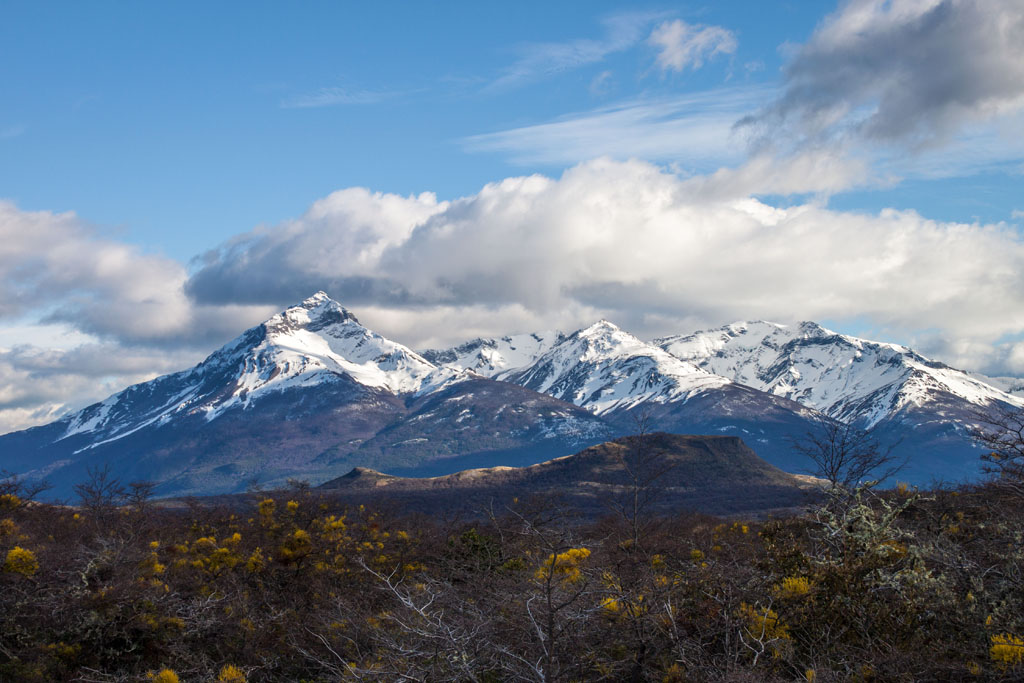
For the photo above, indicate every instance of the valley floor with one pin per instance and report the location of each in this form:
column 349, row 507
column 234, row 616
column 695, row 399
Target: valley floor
column 899, row 586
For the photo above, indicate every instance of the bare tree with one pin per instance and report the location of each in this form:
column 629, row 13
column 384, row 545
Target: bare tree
column 644, row 464
column 101, row 491
column 15, row 485
column 1001, row 433
column 847, row 456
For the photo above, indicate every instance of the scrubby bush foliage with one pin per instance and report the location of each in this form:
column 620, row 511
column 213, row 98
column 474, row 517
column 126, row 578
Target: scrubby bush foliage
column 896, row 586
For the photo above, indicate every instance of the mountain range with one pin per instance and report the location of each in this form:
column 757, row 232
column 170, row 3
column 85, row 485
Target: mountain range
column 312, row 393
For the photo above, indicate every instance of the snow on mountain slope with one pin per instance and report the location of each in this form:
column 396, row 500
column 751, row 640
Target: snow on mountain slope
column 320, row 336
column 495, row 357
column 315, row 342
column 603, row 368
column 849, row 379
column 1011, row 385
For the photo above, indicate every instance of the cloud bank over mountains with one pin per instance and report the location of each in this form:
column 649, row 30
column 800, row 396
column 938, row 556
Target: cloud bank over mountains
column 636, row 243
column 628, row 241
column 880, row 89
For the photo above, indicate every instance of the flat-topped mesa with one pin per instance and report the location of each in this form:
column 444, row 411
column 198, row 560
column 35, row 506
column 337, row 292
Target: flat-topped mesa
column 364, row 473
column 718, row 474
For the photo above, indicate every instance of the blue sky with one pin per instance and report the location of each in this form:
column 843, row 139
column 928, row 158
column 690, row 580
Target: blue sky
column 172, row 172
column 180, row 124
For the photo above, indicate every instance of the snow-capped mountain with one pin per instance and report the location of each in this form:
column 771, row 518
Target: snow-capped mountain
column 850, row 379
column 605, row 369
column 922, row 408
column 308, row 393
column 495, row 357
column 621, row 378
column 311, row 393
column 315, row 343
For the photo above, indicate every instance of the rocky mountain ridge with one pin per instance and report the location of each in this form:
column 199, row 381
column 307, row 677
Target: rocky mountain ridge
column 311, row 393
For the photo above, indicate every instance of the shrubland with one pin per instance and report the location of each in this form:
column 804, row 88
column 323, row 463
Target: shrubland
column 900, row 585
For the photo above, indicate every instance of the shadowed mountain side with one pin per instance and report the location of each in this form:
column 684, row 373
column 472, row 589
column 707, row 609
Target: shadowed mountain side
column 480, row 423
column 713, row 474
column 766, row 423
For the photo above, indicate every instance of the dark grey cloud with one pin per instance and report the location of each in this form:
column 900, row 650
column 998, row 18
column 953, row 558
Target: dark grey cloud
column 909, row 72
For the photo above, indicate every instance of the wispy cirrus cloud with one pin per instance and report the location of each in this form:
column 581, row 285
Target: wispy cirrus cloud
column 695, row 130
column 543, row 60
column 885, row 89
column 12, row 131
column 335, row 96
column 682, row 45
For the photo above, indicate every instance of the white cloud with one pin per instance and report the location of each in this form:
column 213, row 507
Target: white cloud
column 335, row 244
column 681, row 45
column 56, row 264
column 694, row 130
column 993, row 358
column 327, row 97
column 601, row 84
column 1017, row 214
column 635, row 243
column 822, row 172
column 38, row 385
column 543, row 60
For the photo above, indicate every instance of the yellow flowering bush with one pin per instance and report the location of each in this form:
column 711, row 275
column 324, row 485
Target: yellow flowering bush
column 565, row 566
column 1007, row 650
column 21, row 561
column 297, row 546
column 256, row 561
column 266, row 510
column 231, row 674
column 7, row 527
column 793, row 587
column 763, row 621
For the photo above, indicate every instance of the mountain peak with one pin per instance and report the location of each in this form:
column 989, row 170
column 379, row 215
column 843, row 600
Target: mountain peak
column 601, row 328
column 316, row 299
column 314, row 313
column 808, row 329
